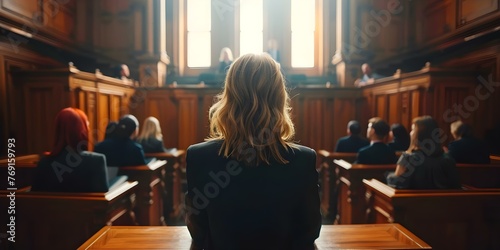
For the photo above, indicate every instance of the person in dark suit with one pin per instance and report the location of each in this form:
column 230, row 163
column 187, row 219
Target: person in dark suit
column 400, row 137
column 424, row 165
column 249, row 185
column 151, row 138
column 69, row 167
column 120, row 149
column 466, row 148
column 353, row 142
column 377, row 152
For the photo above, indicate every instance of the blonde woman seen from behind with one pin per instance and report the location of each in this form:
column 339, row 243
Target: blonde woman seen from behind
column 249, row 185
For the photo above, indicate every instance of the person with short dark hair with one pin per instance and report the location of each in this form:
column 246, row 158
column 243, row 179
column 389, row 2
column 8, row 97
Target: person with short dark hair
column 353, row 142
column 249, row 185
column 400, row 137
column 424, row 165
column 377, row 152
column 121, row 149
column 69, row 167
column 465, row 148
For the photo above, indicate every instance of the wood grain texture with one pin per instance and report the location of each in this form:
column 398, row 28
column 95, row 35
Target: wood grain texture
column 380, row 236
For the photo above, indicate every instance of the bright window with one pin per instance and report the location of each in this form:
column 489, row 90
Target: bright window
column 303, row 29
column 251, row 26
column 199, row 26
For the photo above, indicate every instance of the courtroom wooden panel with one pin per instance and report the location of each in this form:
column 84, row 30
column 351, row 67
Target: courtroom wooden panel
column 386, row 236
column 150, row 191
column 446, row 219
column 46, row 92
column 53, row 220
column 22, row 8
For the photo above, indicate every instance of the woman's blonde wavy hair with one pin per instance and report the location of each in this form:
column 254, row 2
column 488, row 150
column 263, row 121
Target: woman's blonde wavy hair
column 253, row 112
column 150, row 129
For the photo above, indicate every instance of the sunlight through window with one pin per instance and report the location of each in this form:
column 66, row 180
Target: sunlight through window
column 198, row 33
column 303, row 29
column 251, row 26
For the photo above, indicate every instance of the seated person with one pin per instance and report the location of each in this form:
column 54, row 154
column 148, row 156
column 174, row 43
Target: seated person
column 377, row 152
column 69, row 167
column 225, row 60
column 353, row 142
column 151, row 138
column 368, row 76
column 466, row 148
column 424, row 165
column 400, row 137
column 120, row 149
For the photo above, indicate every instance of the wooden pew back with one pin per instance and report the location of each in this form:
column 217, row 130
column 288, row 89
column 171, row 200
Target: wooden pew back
column 328, row 179
column 351, row 191
column 51, row 220
column 174, row 177
column 480, row 175
column 445, row 219
column 149, row 208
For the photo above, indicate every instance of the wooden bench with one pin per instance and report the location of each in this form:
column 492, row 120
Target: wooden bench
column 480, row 175
column 52, row 220
column 150, row 190
column 174, row 176
column 328, row 178
column 446, row 219
column 381, row 236
column 351, row 192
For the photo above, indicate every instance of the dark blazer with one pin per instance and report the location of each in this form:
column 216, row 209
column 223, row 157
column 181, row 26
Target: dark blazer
column 469, row 150
column 377, row 153
column 72, row 172
column 233, row 206
column 152, row 145
column 399, row 145
column 351, row 144
column 121, row 152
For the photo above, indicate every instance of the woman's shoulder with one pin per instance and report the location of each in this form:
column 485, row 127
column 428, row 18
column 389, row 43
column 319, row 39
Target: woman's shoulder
column 204, row 146
column 300, row 149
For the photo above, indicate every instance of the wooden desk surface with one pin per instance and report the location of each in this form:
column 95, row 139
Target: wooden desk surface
column 373, row 236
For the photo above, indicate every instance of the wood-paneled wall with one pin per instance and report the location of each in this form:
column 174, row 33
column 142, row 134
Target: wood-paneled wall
column 320, row 114
column 46, row 92
column 445, row 94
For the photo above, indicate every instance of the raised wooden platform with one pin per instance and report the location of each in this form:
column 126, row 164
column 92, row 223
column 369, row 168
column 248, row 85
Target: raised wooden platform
column 379, row 236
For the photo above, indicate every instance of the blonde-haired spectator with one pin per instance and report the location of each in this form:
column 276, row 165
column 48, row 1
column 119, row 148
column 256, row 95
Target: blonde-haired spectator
column 151, row 137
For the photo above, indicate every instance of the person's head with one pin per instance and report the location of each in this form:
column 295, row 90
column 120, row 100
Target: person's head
column 353, row 128
column 71, row 131
column 460, row 130
column 150, row 129
column 226, row 55
column 253, row 111
column 378, row 129
column 399, row 133
column 365, row 68
column 124, row 71
column 128, row 127
column 423, row 136
column 111, row 130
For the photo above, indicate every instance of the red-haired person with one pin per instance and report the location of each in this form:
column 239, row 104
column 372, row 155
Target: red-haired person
column 70, row 167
